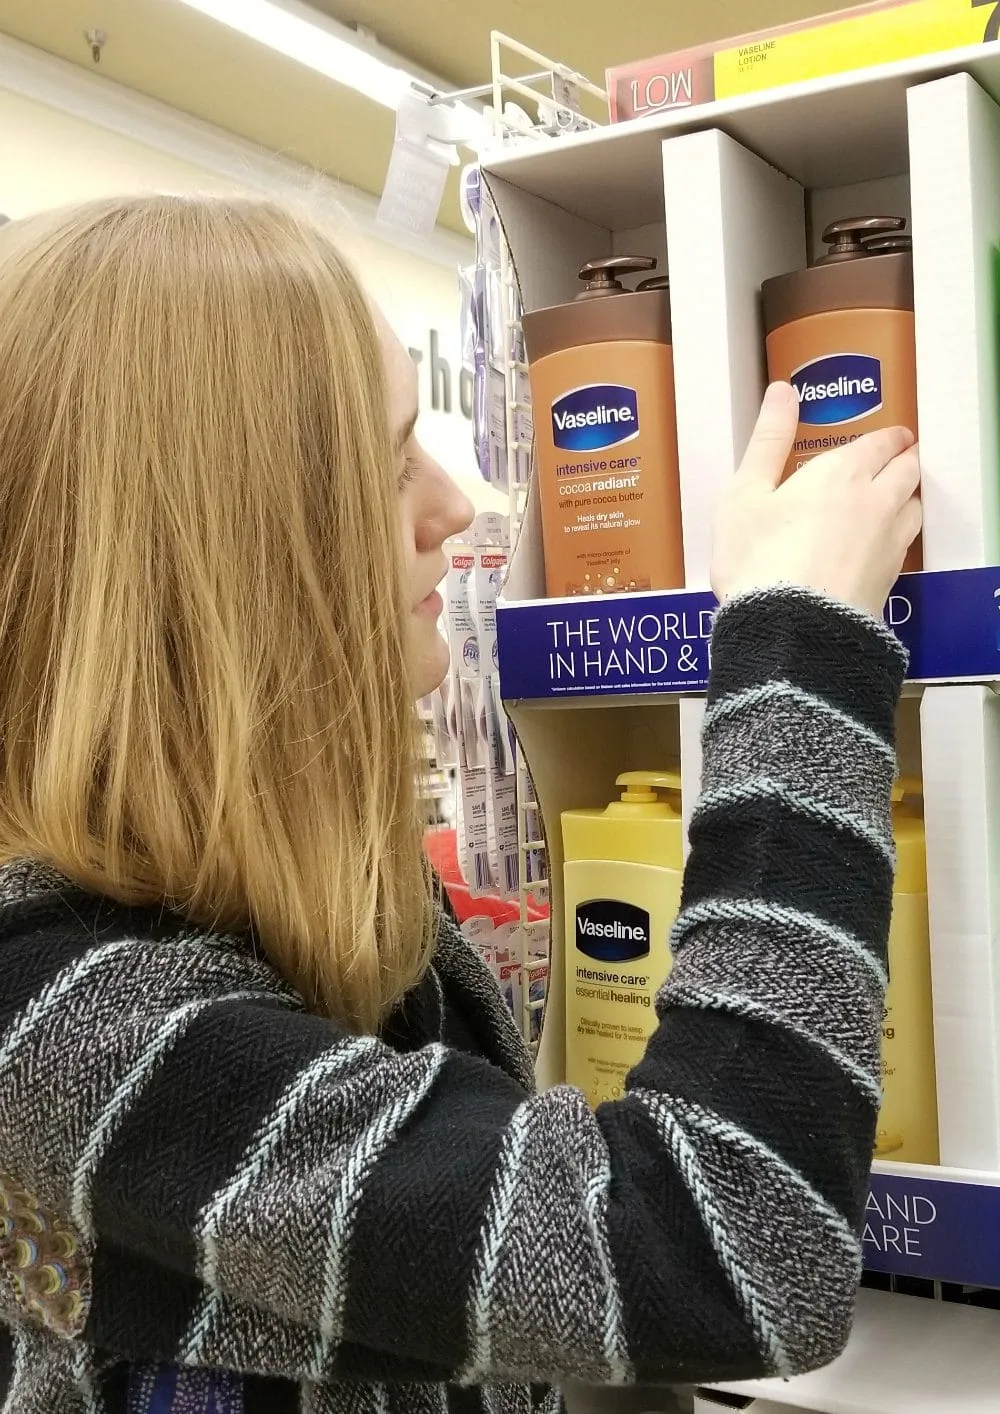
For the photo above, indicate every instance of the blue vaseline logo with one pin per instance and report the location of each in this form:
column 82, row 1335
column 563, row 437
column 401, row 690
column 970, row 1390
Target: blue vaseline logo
column 596, row 416
column 610, row 930
column 838, row 388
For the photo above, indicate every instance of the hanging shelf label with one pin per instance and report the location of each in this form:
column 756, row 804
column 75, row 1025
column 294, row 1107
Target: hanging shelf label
column 621, row 645
column 933, row 1227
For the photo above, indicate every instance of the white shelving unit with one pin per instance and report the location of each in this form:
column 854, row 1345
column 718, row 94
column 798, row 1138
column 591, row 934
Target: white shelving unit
column 727, row 195
column 907, row 1356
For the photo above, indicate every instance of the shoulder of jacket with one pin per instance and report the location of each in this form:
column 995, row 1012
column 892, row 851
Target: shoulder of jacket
column 39, row 908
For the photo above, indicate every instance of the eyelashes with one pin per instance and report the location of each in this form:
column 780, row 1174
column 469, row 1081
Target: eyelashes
column 409, row 473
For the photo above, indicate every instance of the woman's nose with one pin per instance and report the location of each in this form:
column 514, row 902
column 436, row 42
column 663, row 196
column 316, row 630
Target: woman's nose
column 446, row 510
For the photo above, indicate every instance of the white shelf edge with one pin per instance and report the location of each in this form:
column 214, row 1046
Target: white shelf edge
column 803, row 129
column 937, row 1173
column 672, row 122
column 905, row 1354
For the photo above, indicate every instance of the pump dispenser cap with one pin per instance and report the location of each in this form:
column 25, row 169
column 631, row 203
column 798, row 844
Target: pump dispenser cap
column 889, row 245
column 644, row 826
column 846, row 239
column 601, row 276
column 640, row 787
column 638, row 316
column 658, row 282
column 869, row 266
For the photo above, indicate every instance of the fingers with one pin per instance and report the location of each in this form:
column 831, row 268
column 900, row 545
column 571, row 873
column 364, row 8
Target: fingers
column 771, row 443
column 900, row 480
column 870, row 454
column 908, row 525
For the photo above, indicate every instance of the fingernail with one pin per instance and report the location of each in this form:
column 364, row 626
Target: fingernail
column 778, row 394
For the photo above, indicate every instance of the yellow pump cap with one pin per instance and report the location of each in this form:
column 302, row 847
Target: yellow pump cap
column 641, row 786
column 908, row 832
column 641, row 828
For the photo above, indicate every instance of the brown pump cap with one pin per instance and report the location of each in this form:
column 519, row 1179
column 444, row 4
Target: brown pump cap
column 887, row 245
column 602, row 275
column 642, row 315
column 851, row 275
column 848, row 239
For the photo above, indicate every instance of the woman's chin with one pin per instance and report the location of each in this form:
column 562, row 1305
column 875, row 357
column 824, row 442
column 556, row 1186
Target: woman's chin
column 430, row 660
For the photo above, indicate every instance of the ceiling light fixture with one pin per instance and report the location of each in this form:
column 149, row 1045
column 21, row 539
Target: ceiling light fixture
column 302, row 34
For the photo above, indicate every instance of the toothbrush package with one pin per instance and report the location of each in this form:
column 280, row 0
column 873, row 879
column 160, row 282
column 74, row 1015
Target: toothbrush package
column 493, row 346
column 519, row 962
column 485, row 748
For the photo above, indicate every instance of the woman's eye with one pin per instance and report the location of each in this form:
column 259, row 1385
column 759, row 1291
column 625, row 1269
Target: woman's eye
column 410, row 468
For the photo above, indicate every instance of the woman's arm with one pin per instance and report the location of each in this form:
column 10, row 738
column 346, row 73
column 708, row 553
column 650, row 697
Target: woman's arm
column 763, row 1078
column 257, row 1190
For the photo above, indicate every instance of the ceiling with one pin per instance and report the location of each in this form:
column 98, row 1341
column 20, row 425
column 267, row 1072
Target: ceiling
column 169, row 52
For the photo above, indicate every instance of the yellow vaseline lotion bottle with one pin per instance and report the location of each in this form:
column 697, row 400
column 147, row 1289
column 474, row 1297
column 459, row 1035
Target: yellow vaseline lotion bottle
column 623, row 872
column 908, row 1120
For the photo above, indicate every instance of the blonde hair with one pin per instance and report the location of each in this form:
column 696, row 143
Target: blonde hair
column 204, row 695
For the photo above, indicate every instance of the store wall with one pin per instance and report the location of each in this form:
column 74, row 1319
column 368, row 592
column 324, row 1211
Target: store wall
column 48, row 158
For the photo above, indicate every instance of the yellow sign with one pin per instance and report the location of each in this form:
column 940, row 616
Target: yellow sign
column 880, row 37
column 883, row 32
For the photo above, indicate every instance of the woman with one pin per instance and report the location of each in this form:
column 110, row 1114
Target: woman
column 268, row 1139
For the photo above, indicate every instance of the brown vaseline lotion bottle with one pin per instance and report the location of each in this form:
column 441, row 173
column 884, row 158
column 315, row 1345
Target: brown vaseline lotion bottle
column 602, row 390
column 842, row 333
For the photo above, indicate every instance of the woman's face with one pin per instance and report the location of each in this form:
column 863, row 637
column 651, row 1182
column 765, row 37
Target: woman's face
column 431, row 508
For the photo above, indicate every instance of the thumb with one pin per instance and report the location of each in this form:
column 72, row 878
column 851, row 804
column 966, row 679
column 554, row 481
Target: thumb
column 773, row 437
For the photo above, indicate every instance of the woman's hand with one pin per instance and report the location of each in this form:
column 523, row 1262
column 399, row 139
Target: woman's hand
column 840, row 526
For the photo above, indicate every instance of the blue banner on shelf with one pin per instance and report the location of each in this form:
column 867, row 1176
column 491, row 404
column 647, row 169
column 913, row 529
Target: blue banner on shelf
column 625, row 644
column 934, row 1228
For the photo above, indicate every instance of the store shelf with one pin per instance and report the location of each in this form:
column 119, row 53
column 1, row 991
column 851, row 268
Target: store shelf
column 905, row 1356
column 824, row 133
column 731, row 194
column 572, row 650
